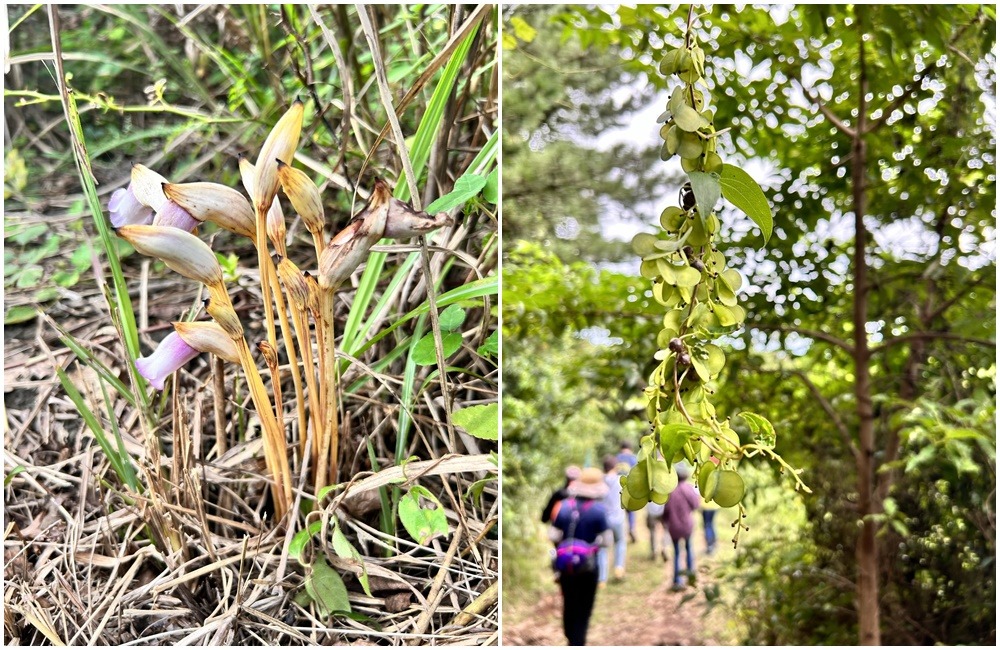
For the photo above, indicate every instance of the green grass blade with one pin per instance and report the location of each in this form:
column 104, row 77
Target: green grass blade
column 117, row 461
column 87, row 357
column 123, row 302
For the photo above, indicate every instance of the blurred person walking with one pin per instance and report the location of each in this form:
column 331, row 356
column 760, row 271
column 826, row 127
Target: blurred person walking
column 580, row 527
column 679, row 521
column 616, row 522
column 572, row 473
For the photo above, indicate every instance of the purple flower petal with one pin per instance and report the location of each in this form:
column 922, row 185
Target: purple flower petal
column 171, row 354
column 173, row 215
column 126, row 210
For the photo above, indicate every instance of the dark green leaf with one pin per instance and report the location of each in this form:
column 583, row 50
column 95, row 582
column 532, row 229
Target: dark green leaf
column 327, row 588
column 424, row 354
column 743, row 191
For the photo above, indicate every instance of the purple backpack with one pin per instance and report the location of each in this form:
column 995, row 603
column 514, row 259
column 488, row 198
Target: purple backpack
column 574, row 556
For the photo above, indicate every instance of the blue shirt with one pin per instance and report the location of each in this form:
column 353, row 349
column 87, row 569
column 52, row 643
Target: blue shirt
column 592, row 522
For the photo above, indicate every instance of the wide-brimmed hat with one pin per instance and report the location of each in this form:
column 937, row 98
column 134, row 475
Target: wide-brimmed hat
column 590, row 485
column 573, row 472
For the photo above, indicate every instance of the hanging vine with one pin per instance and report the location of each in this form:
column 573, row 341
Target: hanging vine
column 700, row 293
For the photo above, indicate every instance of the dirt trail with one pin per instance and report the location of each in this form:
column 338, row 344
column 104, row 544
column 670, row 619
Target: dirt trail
column 639, row 610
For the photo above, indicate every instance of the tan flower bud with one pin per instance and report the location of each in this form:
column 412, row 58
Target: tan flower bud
column 147, row 186
column 221, row 310
column 275, row 222
column 276, row 226
column 403, row 222
column 294, row 282
column 313, row 293
column 269, row 353
column 181, row 251
column 304, row 195
column 279, row 145
column 208, row 337
column 214, row 202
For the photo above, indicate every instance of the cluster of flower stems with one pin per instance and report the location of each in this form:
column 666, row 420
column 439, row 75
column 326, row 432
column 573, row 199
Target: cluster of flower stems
column 158, row 218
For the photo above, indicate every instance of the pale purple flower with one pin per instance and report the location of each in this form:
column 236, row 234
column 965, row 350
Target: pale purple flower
column 171, row 214
column 126, row 209
column 171, row 354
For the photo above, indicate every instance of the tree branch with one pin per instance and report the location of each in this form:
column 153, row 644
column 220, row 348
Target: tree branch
column 933, row 335
column 827, row 112
column 845, row 433
column 813, row 334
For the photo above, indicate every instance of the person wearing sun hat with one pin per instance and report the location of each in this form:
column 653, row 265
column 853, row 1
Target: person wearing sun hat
column 572, row 473
column 581, row 516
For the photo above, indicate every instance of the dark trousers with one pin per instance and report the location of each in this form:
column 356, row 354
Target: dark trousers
column 578, row 601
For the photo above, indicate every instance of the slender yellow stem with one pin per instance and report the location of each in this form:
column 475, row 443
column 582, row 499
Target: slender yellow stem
column 330, row 438
column 220, row 308
column 286, row 335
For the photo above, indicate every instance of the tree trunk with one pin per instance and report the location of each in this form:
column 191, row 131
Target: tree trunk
column 866, row 551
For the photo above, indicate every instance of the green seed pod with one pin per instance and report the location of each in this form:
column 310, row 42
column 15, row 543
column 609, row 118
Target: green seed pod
column 727, row 487
column 691, row 164
column 668, row 64
column 671, row 219
column 690, row 145
column 713, row 163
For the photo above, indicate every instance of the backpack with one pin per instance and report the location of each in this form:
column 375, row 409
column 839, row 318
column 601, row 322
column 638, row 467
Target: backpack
column 574, row 556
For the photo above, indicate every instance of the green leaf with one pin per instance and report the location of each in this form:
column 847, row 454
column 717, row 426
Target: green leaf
column 80, row 259
column 19, row 314
column 423, row 524
column 466, row 188
column 301, row 538
column 451, row 318
column 481, row 421
column 14, row 472
column 29, row 277
column 344, row 549
column 685, row 117
column 743, row 191
column 491, row 346
column 522, row 29
column 326, row 588
column 29, row 234
column 66, row 278
column 491, row 191
column 475, row 491
column 424, row 353
column 707, row 191
column 760, row 427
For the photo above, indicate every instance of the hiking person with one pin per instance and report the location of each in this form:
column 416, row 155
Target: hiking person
column 708, row 510
column 657, row 532
column 626, row 461
column 678, row 519
column 580, row 528
column 616, row 522
column 572, row 473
